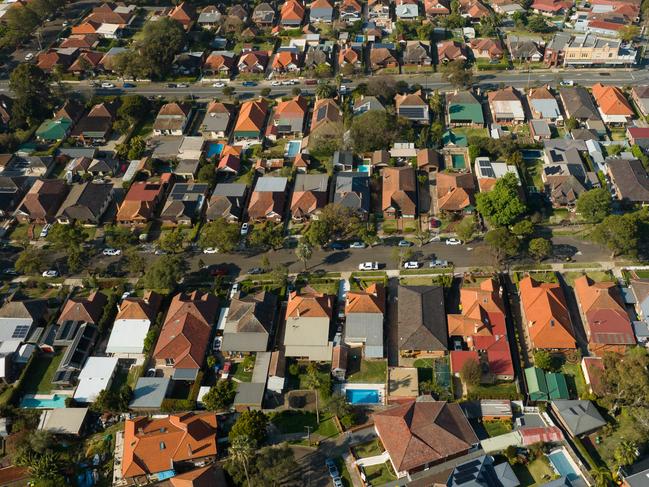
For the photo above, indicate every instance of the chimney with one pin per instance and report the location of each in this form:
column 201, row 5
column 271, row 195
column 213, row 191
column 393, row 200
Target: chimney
column 476, row 327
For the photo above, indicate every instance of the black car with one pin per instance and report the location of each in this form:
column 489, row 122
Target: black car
column 338, row 246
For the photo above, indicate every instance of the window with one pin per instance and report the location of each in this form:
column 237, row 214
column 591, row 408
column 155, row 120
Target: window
column 20, row 331
column 162, row 445
column 169, row 362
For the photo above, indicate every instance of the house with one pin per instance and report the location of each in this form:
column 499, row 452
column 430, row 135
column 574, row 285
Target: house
column 287, row 61
column 149, row 392
column 83, row 310
column 321, row 11
column 57, row 57
column 382, row 57
column 543, row 386
column 352, row 190
column 593, row 367
column 524, row 49
column 216, row 121
column 423, row 433
column 185, row 14
column 630, row 180
column 612, row 104
column 546, row 315
column 488, row 172
column 417, row 53
column 12, row 190
column 86, row 203
column 308, row 316
column 185, row 204
column 249, row 322
column 155, row 445
column 589, row 50
column 448, row 51
column 366, row 104
column 474, row 10
column 635, row 475
column 349, row 56
column 251, row 120
column 455, row 191
column 96, row 125
column 350, row 11
column 132, row 323
column 506, row 106
column 428, row 160
column 606, row 321
column 188, row 63
column 96, row 375
column 434, row 8
column 339, row 361
column 42, row 201
column 172, row 119
column 249, row 396
column 227, row 201
column 551, row 7
column 19, row 319
column 406, row 9
column 309, row 196
column 291, row 14
column 325, row 112
column 276, row 372
column 578, row 417
column 543, row 105
column 640, row 96
column 252, row 62
column 318, row 56
column 378, row 12
column 412, row 106
column 90, row 166
column 475, row 472
column 15, row 165
column 263, row 15
column 399, row 193
column 185, row 334
column 540, row 129
column 268, row 199
column 485, row 48
column 142, row 202
column 638, row 136
column 464, row 109
column 209, row 17
column 289, row 116
column 219, row 64
column 364, row 314
column 421, row 321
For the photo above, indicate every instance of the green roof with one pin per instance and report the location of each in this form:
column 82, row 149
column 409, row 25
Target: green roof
column 537, row 387
column 465, row 113
column 451, row 138
column 557, row 387
column 54, row 129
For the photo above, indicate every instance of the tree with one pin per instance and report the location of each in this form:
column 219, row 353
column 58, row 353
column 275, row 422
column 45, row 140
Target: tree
column 241, row 452
column 614, row 150
column 172, row 241
column 602, row 476
column 629, row 32
column 228, row 91
column 325, row 90
column 489, row 25
column 371, row 131
column 471, row 373
column 619, row 233
column 32, row 95
column 457, row 74
column 30, row 261
column 571, row 124
column 252, row 425
column 338, row 405
column 536, row 23
column 133, row 108
column 304, row 251
column 466, row 229
column 135, row 262
column 502, row 242
column 625, row 381
column 327, row 139
column 523, row 229
column 265, row 92
column 207, row 174
column 422, row 236
column 268, row 236
column 220, row 234
column 44, row 467
column 540, row 248
column 64, row 237
column 220, row 396
column 267, row 467
column 165, row 272
column 502, row 206
column 117, row 236
column 334, row 222
column 313, row 381
column 161, row 40
column 626, row 453
column 543, row 360
column 136, row 147
column 594, row 205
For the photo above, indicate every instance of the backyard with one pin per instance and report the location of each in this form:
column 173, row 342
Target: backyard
column 501, row 390
column 575, row 379
column 535, row 473
column 288, row 422
column 38, row 380
column 497, row 428
column 365, row 371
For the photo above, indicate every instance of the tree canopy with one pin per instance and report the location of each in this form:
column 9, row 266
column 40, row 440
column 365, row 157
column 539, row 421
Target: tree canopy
column 268, row 467
column 371, row 131
column 619, row 233
column 220, row 234
column 502, row 206
column 250, row 424
column 594, row 205
column 457, row 74
column 165, row 272
column 220, row 396
column 33, row 97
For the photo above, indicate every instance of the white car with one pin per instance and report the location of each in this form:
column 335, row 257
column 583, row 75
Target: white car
column 244, row 229
column 45, row 230
column 453, row 241
column 125, row 295
column 51, row 273
column 275, row 83
column 295, row 81
column 112, row 252
column 29, row 56
column 287, row 82
column 182, row 85
column 218, row 84
column 107, row 85
column 411, row 265
column 357, row 245
column 234, row 290
column 368, row 266
column 210, row 250
column 343, row 89
column 567, row 82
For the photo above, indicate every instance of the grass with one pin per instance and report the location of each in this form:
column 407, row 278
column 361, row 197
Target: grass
column 39, row 380
column 535, row 473
column 369, row 449
column 296, row 422
column 133, row 375
column 532, row 173
column 344, row 473
column 369, row 371
column 20, row 231
column 575, row 379
column 471, row 131
column 500, row 390
column 380, row 474
column 640, row 274
column 497, row 428
column 102, row 442
column 597, row 276
column 580, row 265
column 240, row 373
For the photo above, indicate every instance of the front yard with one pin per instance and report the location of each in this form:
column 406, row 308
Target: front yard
column 380, row 474
column 288, row 422
column 597, row 276
column 370, row 449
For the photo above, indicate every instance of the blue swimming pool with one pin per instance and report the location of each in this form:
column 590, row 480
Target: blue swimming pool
column 214, row 149
column 55, row 401
column 364, row 168
column 531, row 154
column 292, row 148
column 362, row 396
column 562, row 465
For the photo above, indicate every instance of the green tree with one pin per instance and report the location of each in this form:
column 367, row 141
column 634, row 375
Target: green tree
column 265, row 92
column 135, row 262
column 136, row 147
column 628, row 33
column 457, row 74
column 594, row 205
column 602, row 476
column 207, row 174
column 537, row 23
column 267, row 235
column 220, row 396
column 371, row 131
column 471, row 373
column 241, row 450
column 338, row 406
column 571, row 124
column 252, row 425
column 118, row 236
column 619, row 233
column 625, row 381
column 502, row 206
column 304, row 251
column 327, row 139
column 64, row 237
column 626, row 453
column 220, row 234
column 313, row 381
column 30, row 261
column 133, row 108
column 165, row 272
column 228, row 91
column 334, row 223
column 32, row 95
column 540, row 248
column 466, row 229
column 160, row 42
column 267, row 467
column 523, row 228
column 172, row 241
column 325, row 90
column 543, row 360
column 502, row 242
column 45, row 467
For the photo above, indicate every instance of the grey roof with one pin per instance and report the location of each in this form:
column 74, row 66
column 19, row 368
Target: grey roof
column 32, row 308
column 311, row 182
column 580, row 416
column 185, row 201
column 506, row 475
column 631, row 179
column 216, row 121
column 272, row 184
column 368, row 103
column 547, row 108
column 187, row 166
column 227, row 200
column 149, row 392
column 367, row 327
column 637, row 475
column 85, row 201
column 249, row 394
column 578, row 103
column 249, row 323
column 74, row 152
column 67, row 421
column 541, row 127
column 421, row 318
column 481, row 472
column 560, row 482
column 352, row 190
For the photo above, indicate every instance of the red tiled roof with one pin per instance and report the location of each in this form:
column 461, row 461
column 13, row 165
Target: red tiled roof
column 460, row 357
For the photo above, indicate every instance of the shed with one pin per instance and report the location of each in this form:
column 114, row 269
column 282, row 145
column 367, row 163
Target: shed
column 557, row 386
column 249, row 396
column 63, row 421
column 537, row 387
column 149, row 393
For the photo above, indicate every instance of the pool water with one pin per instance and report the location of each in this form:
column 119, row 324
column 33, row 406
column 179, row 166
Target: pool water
column 292, row 148
column 55, row 401
column 531, row 154
column 364, row 168
column 562, row 465
column 362, row 396
column 458, row 161
column 214, row 149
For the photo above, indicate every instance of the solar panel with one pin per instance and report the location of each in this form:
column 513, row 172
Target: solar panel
column 321, row 113
column 411, row 112
column 20, row 331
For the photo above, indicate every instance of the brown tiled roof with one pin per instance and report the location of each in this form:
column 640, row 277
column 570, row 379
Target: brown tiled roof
column 44, row 198
column 295, row 106
column 454, row 190
column 372, row 300
column 399, row 190
column 252, row 116
column 450, row 51
column 309, row 304
column 483, row 313
column 208, row 476
column 140, row 308
column 325, row 110
column 263, row 203
column 292, row 10
column 611, row 100
column 87, row 310
column 304, row 203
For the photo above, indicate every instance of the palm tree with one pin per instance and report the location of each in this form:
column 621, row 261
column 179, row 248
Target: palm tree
column 304, row 252
column 602, row 476
column 626, row 452
column 241, row 451
column 312, row 381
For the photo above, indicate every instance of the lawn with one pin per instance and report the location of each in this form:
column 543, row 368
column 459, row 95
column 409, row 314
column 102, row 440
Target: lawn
column 240, row 373
column 380, row 474
column 300, row 381
column 597, row 276
column 344, row 473
column 133, row 375
column 532, row 174
column 296, row 422
column 19, row 232
column 41, row 373
column 370, row 449
column 471, row 131
column 575, row 379
column 501, row 390
column 497, row 428
column 535, row 473
column 641, row 274
column 368, row 371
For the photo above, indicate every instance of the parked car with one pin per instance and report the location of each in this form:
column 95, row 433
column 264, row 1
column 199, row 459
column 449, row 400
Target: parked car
column 234, row 290
column 311, row 82
column 276, row 83
column 438, row 263
column 249, row 83
column 218, row 271
column 255, row 271
column 210, row 250
column 338, row 245
column 10, row 271
column 411, row 264
column 219, row 84
column 110, row 251
column 226, row 370
column 45, row 230
column 29, row 56
column 567, row 82
column 128, row 85
column 368, row 266
column 107, row 85
column 333, row 469
column 453, row 241
column 434, row 223
column 338, row 482
column 182, row 85
column 404, row 243
column 435, row 238
column 343, row 89
column 125, row 295
column 244, row 229
column 357, row 245
column 51, row 273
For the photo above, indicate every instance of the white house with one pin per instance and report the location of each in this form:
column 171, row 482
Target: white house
column 97, row 374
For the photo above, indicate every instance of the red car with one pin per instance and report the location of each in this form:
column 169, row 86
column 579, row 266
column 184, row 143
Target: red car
column 226, row 370
column 435, row 223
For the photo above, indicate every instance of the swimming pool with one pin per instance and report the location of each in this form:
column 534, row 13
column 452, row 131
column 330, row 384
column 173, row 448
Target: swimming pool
column 362, row 396
column 214, row 149
column 531, row 154
column 292, row 148
column 562, row 464
column 364, row 168
column 43, row 401
column 458, row 161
